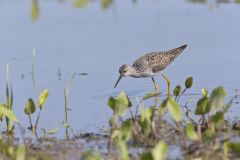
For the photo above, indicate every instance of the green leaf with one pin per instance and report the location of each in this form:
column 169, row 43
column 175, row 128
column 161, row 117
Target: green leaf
column 126, row 130
column 145, row 127
column 147, row 113
column 162, row 107
column 226, row 107
column 90, row 155
column 204, row 92
column 174, row 109
column 234, row 147
column 111, row 102
column 218, row 118
column 1, row 113
column 146, row 119
column 208, row 134
column 20, row 155
column 124, row 150
column 191, row 133
column 120, row 105
column 34, row 10
column 123, row 100
column 217, row 98
column 202, row 106
column 112, row 121
column 115, row 135
column 9, row 114
column 52, row 131
column 42, row 98
column 189, row 82
column 80, row 3
column 146, row 156
column 160, row 150
column 106, row 3
column 30, row 107
column 177, row 90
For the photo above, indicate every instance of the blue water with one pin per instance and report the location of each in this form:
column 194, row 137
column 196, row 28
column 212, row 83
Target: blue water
column 99, row 41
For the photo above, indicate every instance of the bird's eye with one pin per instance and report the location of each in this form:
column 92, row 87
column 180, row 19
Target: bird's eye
column 124, row 71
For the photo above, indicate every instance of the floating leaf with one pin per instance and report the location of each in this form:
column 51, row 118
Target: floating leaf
column 80, row 3
column 160, row 150
column 30, row 107
column 191, row 133
column 177, row 90
column 204, row 92
column 189, row 82
column 42, row 98
column 34, row 10
column 202, row 106
column 20, row 155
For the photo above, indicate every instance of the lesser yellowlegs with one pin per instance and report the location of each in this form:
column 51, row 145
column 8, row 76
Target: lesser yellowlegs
column 151, row 64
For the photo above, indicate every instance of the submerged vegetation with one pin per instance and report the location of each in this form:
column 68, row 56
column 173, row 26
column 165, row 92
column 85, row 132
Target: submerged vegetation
column 163, row 130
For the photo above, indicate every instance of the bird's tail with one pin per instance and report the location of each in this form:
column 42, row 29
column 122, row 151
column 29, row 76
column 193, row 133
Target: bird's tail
column 183, row 47
column 175, row 52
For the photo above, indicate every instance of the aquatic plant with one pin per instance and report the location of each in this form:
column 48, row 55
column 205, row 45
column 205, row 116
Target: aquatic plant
column 66, row 108
column 30, row 108
column 150, row 128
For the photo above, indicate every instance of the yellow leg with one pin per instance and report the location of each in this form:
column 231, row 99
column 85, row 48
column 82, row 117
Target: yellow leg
column 155, row 84
column 168, row 82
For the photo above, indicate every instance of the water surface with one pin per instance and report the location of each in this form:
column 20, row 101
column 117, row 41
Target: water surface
column 97, row 41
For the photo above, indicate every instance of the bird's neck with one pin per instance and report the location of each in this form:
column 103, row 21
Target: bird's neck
column 134, row 73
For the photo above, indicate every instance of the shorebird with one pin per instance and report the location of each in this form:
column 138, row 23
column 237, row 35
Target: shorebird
column 150, row 65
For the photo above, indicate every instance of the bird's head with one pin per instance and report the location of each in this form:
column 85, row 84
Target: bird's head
column 124, row 70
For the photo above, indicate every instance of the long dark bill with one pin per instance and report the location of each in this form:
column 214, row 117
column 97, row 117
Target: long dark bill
column 118, row 80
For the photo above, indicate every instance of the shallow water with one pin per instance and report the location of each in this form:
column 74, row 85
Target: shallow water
column 99, row 41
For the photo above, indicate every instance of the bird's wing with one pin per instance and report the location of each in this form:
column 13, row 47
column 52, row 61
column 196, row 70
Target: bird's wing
column 157, row 61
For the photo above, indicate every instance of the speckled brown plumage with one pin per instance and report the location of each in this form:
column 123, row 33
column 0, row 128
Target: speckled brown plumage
column 157, row 61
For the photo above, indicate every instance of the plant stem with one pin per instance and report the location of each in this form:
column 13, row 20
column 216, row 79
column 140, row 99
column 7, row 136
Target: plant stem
column 133, row 119
column 181, row 94
column 66, row 113
column 38, row 118
column 30, row 120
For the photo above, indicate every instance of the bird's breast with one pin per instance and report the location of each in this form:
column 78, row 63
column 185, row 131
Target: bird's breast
column 143, row 75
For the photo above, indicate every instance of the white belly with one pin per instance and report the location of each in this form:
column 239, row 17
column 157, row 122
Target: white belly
column 143, row 75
